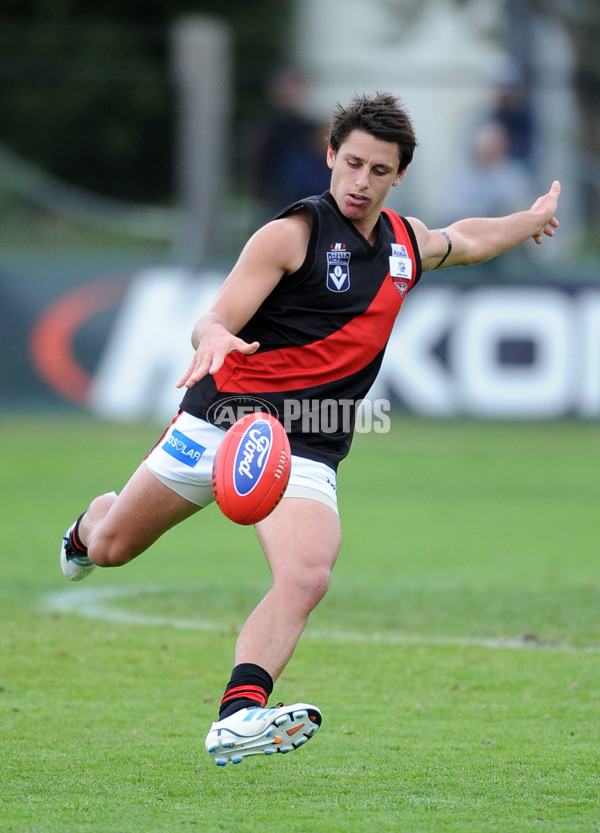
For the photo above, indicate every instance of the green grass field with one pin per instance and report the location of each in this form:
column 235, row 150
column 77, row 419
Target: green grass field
column 456, row 658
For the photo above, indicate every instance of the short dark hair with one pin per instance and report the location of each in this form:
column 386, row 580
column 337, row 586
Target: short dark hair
column 383, row 116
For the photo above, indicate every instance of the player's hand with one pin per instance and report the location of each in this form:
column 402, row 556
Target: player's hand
column 215, row 345
column 546, row 207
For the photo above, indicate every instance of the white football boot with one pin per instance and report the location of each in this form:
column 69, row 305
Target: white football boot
column 259, row 731
column 74, row 563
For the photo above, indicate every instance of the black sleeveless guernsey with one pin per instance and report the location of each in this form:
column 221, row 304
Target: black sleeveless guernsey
column 323, row 331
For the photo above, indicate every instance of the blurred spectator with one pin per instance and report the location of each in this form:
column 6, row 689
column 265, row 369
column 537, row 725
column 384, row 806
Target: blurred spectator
column 511, row 110
column 286, row 151
column 493, row 184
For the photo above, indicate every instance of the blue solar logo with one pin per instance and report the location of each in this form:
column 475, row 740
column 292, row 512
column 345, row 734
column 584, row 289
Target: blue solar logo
column 183, row 449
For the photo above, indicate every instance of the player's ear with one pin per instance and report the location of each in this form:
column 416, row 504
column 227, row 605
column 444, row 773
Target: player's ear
column 399, row 177
column 330, row 157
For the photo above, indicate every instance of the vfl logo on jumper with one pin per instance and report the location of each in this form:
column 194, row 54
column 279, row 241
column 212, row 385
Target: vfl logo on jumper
column 338, row 268
column 183, row 449
column 251, row 456
column 400, row 268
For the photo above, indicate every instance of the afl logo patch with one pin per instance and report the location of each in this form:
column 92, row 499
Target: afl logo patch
column 338, row 270
column 251, row 456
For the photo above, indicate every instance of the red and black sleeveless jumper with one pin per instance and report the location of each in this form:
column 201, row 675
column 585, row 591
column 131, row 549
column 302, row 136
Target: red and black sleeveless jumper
column 323, row 331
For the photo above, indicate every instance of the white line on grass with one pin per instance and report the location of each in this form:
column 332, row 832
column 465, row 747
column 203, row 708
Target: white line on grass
column 94, row 603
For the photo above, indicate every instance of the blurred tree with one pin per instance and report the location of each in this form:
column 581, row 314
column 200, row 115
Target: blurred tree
column 86, row 90
column 582, row 19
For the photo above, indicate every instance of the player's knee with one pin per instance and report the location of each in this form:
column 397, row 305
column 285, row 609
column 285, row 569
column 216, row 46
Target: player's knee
column 308, row 584
column 320, row 581
column 109, row 551
column 311, row 575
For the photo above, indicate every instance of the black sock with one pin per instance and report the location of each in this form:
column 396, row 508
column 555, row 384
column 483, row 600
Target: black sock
column 249, row 687
column 77, row 542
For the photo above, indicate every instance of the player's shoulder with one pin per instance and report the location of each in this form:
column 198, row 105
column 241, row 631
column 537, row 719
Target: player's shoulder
column 298, row 222
column 432, row 243
column 289, row 236
column 419, row 228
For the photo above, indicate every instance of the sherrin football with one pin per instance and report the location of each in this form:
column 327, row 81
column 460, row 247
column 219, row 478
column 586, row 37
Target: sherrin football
column 251, row 468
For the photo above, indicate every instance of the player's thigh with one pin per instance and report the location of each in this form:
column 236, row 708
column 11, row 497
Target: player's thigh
column 143, row 511
column 300, row 534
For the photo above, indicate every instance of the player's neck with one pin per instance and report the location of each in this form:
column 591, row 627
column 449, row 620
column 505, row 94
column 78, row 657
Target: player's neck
column 368, row 229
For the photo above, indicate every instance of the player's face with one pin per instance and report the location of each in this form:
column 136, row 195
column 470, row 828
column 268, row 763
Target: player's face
column 363, row 171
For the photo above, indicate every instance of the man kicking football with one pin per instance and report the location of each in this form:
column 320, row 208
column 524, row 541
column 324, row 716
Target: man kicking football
column 303, row 317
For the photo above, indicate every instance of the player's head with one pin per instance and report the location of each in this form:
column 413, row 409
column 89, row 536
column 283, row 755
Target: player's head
column 382, row 116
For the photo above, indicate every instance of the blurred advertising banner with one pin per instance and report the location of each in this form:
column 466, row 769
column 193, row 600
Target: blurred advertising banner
column 116, row 345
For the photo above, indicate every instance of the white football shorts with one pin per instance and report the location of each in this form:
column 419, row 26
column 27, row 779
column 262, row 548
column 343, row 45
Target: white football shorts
column 183, row 459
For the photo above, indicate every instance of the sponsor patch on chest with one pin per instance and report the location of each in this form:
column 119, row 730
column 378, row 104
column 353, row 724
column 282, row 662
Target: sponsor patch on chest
column 400, row 268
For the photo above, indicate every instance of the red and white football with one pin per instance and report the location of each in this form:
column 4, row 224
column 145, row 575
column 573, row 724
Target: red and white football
column 251, row 468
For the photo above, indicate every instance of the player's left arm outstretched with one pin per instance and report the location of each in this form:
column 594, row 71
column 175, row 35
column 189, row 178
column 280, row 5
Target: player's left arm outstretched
column 481, row 238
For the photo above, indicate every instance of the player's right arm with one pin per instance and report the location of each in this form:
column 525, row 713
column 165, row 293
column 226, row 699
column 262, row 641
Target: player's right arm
column 276, row 249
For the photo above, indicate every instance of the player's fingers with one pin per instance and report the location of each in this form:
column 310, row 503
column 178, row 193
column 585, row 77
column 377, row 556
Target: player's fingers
column 238, row 346
column 216, row 364
column 248, row 349
column 185, row 376
column 196, row 371
column 212, row 363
